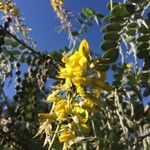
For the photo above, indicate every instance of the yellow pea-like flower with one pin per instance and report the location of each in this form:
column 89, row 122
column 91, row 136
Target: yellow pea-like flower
column 76, row 67
column 67, row 135
column 62, row 110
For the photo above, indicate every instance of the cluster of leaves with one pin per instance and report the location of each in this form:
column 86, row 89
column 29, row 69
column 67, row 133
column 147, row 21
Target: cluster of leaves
column 86, row 18
column 30, row 88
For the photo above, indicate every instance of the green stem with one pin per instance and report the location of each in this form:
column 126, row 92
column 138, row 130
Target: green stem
column 53, row 139
column 93, row 126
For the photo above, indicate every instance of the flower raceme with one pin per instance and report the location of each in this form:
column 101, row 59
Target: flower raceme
column 77, row 71
column 57, row 4
column 75, row 100
column 9, row 8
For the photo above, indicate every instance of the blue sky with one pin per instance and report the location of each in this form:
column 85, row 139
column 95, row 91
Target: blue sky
column 40, row 16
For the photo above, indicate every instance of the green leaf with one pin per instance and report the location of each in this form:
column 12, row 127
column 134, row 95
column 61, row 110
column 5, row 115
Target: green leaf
column 102, row 67
column 106, row 19
column 114, row 36
column 22, row 59
column 114, row 27
column 130, row 8
column 120, row 11
column 117, row 19
column 104, row 30
column 88, row 12
column 147, row 63
column 131, row 32
column 143, row 38
column 22, row 47
column 144, row 77
column 56, row 56
column 11, row 42
column 111, row 55
column 143, row 45
column 15, row 52
column 144, row 30
column 132, row 25
column 6, row 53
column 108, row 45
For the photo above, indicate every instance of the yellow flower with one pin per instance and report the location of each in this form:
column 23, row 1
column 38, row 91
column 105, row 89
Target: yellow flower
column 6, row 8
column 80, row 114
column 62, row 110
column 76, row 66
column 66, row 135
column 77, row 69
column 56, row 4
column 54, row 97
column 15, row 12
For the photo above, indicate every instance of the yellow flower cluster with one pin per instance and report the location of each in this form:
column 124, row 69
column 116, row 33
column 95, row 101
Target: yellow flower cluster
column 77, row 98
column 9, row 8
column 78, row 71
column 57, row 4
column 58, row 8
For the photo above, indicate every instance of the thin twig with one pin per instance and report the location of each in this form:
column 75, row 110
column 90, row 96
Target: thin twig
column 111, row 5
column 23, row 43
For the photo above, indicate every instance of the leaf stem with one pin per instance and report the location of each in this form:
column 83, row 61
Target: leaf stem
column 54, row 136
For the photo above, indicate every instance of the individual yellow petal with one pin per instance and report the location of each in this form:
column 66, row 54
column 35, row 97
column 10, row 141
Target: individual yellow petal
column 80, row 91
column 53, row 96
column 68, row 83
column 87, row 104
column 84, row 48
column 44, row 116
column 60, row 105
column 79, row 81
column 65, row 59
column 83, row 62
